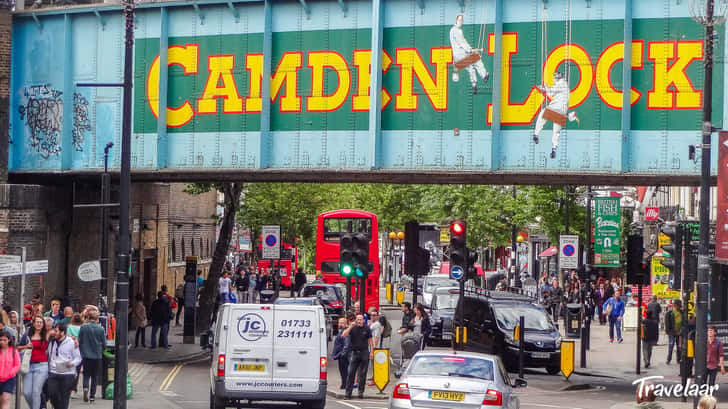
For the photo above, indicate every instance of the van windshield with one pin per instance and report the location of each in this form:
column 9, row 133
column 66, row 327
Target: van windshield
column 508, row 316
column 445, row 300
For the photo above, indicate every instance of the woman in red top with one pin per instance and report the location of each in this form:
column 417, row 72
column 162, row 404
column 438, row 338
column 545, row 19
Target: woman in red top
column 9, row 366
column 36, row 339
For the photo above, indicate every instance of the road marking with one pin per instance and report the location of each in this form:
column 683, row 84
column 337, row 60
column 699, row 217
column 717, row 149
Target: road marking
column 542, row 405
column 170, row 377
column 138, row 371
column 352, row 406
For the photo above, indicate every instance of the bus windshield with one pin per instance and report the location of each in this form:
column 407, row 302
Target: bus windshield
column 334, row 228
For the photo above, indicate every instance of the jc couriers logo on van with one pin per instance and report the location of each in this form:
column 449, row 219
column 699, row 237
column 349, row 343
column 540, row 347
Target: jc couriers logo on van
column 251, row 327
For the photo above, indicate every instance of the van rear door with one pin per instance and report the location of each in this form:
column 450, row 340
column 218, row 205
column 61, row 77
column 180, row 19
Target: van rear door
column 249, row 361
column 299, row 332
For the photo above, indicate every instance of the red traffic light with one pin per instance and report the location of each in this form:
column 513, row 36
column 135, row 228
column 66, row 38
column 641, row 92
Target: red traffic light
column 457, row 228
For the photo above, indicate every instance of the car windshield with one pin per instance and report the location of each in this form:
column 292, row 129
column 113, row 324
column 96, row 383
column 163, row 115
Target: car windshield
column 299, row 301
column 508, row 317
column 445, row 300
column 431, row 283
column 324, row 292
column 439, row 365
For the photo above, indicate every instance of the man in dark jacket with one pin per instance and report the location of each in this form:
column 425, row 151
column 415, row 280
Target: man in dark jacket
column 161, row 315
column 342, row 347
column 91, row 340
column 650, row 333
column 655, row 307
column 299, row 280
column 241, row 286
column 556, row 299
column 407, row 316
column 673, row 327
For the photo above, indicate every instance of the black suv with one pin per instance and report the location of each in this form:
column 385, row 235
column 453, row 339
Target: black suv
column 442, row 310
column 331, row 297
column 491, row 317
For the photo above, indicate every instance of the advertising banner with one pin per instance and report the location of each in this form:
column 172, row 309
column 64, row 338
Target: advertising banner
column 721, row 224
column 660, row 280
column 607, row 217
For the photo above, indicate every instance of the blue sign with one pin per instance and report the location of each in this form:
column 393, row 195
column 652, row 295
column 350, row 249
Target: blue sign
column 270, row 240
column 456, row 272
column 569, row 250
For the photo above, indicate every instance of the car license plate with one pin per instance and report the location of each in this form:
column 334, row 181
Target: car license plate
column 250, row 367
column 446, row 336
column 540, row 354
column 444, row 395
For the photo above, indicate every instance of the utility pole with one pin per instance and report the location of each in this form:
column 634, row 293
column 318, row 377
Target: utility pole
column 514, row 248
column 105, row 198
column 122, row 258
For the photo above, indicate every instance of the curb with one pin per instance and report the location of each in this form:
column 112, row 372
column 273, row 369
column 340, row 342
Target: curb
column 180, row 359
column 342, row 395
column 596, row 375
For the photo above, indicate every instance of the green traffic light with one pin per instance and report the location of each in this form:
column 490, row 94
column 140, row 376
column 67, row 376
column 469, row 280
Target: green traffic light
column 359, row 273
column 346, row 270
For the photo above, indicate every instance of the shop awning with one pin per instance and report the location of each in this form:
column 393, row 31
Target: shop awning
column 549, row 252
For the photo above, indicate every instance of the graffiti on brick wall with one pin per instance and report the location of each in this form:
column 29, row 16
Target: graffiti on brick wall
column 81, row 122
column 43, row 115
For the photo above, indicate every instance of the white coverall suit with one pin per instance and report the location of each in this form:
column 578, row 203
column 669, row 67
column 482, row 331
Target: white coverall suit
column 461, row 49
column 559, row 94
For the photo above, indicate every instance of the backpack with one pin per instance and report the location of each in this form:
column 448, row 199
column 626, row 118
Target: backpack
column 386, row 327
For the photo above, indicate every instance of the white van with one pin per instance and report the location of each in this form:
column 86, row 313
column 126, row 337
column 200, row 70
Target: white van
column 269, row 352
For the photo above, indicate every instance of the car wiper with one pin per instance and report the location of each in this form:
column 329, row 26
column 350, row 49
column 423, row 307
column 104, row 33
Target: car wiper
column 463, row 375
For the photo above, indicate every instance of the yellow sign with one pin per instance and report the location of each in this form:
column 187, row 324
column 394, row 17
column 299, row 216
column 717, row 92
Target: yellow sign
column 663, row 240
column 444, row 235
column 380, row 367
column 400, row 295
column 517, row 333
column 660, row 280
column 567, row 358
column 389, row 292
column 691, row 349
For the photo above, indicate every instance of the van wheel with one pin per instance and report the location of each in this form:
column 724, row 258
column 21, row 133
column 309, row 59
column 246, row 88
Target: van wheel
column 553, row 370
column 315, row 404
column 215, row 402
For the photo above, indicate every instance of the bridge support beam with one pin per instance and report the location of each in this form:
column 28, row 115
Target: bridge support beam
column 495, row 127
column 375, row 86
column 265, row 141
column 162, row 139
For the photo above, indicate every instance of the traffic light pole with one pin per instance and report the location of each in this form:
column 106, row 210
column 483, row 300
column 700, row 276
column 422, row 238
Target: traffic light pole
column 362, row 295
column 348, row 293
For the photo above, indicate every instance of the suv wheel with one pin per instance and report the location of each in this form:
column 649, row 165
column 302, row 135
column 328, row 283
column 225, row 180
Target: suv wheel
column 215, row 402
column 553, row 370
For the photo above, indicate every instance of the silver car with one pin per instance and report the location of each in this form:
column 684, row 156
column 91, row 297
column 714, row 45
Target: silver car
column 455, row 380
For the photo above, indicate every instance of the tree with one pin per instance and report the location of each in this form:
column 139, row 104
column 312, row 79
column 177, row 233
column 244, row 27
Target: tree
column 208, row 297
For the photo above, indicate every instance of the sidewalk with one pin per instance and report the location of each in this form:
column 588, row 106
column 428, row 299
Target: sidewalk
column 179, row 352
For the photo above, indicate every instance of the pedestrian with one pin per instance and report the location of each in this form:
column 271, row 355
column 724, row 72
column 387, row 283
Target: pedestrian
column 614, row 310
column 299, row 280
column 9, row 367
column 252, row 286
column 55, row 312
column 35, row 342
column 4, row 325
column 342, row 348
column 15, row 323
column 73, row 330
column 276, row 281
column 67, row 316
column 650, row 333
column 261, row 283
column 200, row 280
column 161, row 316
column 407, row 316
column 375, row 326
column 64, row 356
column 27, row 316
column 224, row 286
column 179, row 294
column 655, row 307
column 139, row 321
column 556, row 297
column 420, row 325
column 241, row 286
column 91, row 340
column 673, row 328
column 360, row 337
column 601, row 299
column 707, row 402
column 714, row 357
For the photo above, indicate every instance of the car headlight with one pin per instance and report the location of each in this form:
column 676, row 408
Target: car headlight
column 558, row 343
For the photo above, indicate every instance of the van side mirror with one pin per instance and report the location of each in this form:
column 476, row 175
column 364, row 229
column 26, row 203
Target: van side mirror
column 519, row 383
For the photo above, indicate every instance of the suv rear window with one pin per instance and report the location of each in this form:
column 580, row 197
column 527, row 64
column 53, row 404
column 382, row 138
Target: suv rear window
column 328, row 292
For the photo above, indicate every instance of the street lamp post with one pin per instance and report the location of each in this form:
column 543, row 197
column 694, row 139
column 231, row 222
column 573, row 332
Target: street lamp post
column 105, row 197
column 708, row 13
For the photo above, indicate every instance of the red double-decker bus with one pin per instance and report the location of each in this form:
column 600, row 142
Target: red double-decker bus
column 287, row 265
column 331, row 226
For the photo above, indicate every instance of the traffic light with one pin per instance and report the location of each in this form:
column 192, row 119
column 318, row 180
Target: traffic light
column 673, row 253
column 360, row 252
column 458, row 251
column 470, row 271
column 346, row 255
column 636, row 273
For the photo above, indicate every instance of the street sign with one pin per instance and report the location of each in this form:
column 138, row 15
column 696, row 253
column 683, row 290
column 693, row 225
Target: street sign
column 456, row 272
column 36, row 267
column 16, row 269
column 89, row 271
column 7, row 258
column 569, row 251
column 271, row 248
column 380, row 368
column 10, row 269
column 444, row 235
column 607, row 219
column 652, row 213
column 567, row 358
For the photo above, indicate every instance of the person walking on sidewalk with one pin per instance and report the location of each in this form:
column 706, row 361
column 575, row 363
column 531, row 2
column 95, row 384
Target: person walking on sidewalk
column 179, row 295
column 673, row 327
column 715, row 357
column 650, row 333
column 299, row 280
column 161, row 316
column 614, row 310
column 241, row 286
column 556, row 298
column 139, row 321
column 64, row 356
column 91, row 340
column 407, row 316
column 9, row 367
column 342, row 348
column 361, row 344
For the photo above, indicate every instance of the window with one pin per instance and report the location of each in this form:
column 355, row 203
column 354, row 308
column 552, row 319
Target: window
column 452, row 366
column 174, row 251
column 183, row 248
column 335, row 227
